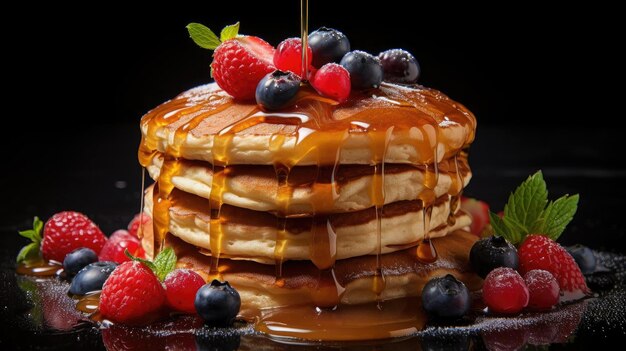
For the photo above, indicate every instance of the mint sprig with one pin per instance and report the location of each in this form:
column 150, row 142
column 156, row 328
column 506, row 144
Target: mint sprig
column 529, row 212
column 205, row 38
column 31, row 251
column 163, row 263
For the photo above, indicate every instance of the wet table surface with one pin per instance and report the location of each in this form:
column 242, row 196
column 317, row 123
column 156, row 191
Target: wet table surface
column 101, row 178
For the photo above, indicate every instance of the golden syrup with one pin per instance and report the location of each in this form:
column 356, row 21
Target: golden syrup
column 304, row 35
column 39, row 268
column 89, row 303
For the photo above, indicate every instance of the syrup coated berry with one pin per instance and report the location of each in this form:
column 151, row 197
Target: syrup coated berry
column 365, row 70
column 399, row 66
column 504, row 291
column 277, row 89
column 181, row 286
column 492, row 252
column 584, row 257
column 288, row 56
column 333, row 81
column 217, row 303
column 91, row 278
column 78, row 259
column 446, row 297
column 328, row 45
column 543, row 289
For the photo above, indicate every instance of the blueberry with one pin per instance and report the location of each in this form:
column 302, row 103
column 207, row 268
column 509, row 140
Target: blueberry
column 493, row 252
column 445, row 297
column 328, row 45
column 92, row 277
column 584, row 257
column 217, row 303
column 399, row 66
column 78, row 259
column 365, row 70
column 277, row 89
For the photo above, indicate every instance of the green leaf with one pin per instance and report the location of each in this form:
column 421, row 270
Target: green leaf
column 38, row 226
column 526, row 204
column 509, row 228
column 28, row 253
column 203, row 36
column 29, row 234
column 229, row 32
column 146, row 262
column 33, row 234
column 557, row 216
column 165, row 262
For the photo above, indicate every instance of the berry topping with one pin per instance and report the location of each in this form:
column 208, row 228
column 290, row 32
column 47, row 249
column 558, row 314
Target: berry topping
column 131, row 292
column 479, row 211
column 136, row 223
column 543, row 289
column 492, row 252
column 68, row 231
column 91, row 277
column 328, row 45
column 277, row 89
column 181, row 286
column 217, row 303
column 333, row 81
column 399, row 66
column 78, row 259
column 288, row 56
column 365, row 70
column 541, row 252
column 504, row 291
column 118, row 243
column 239, row 62
column 446, row 297
column 584, row 257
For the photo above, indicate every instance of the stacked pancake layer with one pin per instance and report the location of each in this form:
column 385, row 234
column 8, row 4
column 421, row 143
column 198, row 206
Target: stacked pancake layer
column 315, row 193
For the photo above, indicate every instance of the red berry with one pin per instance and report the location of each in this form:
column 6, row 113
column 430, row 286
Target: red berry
column 131, row 293
column 181, row 286
column 543, row 289
column 288, row 56
column 67, row 231
column 136, row 223
column 541, row 252
column 114, row 249
column 479, row 211
column 333, row 81
column 504, row 291
column 240, row 63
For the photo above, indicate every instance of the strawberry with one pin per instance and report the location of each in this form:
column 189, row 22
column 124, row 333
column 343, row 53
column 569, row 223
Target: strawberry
column 118, row 243
column 541, row 252
column 66, row 231
column 479, row 211
column 136, row 223
column 130, row 293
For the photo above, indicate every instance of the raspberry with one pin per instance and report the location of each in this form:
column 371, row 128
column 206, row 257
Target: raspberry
column 543, row 289
column 131, row 293
column 119, row 241
column 288, row 56
column 479, row 211
column 135, row 224
column 541, row 252
column 67, row 231
column 333, row 81
column 504, row 291
column 181, row 286
column 240, row 63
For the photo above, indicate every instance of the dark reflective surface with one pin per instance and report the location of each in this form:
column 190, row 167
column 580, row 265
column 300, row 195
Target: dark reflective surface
column 101, row 178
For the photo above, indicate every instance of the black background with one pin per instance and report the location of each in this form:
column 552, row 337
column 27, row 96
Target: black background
column 544, row 83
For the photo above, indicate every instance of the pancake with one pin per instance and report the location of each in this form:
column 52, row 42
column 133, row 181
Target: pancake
column 257, row 187
column 253, row 235
column 395, row 124
column 302, row 283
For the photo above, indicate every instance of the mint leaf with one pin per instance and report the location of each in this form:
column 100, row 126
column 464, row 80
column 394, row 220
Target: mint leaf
column 29, row 252
column 165, row 262
column 526, row 204
column 229, row 32
column 29, row 234
column 203, row 36
column 38, row 226
column 509, row 228
column 557, row 216
column 146, row 262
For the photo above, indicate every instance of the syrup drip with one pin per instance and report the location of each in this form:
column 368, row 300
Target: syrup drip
column 89, row 303
column 39, row 268
column 304, row 34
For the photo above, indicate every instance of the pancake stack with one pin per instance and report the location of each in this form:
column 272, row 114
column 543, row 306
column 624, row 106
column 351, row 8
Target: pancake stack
column 319, row 204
